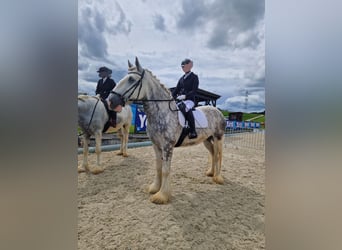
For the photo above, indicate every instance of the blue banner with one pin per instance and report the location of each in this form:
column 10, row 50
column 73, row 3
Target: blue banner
column 241, row 125
column 134, row 111
column 140, row 120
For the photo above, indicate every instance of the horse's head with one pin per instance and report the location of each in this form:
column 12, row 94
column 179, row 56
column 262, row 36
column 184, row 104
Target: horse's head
column 130, row 88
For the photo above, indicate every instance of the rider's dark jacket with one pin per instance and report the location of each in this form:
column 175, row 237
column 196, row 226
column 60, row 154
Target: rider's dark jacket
column 104, row 88
column 188, row 86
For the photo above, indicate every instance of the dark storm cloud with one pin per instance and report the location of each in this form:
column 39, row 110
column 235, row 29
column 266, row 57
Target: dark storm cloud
column 233, row 22
column 94, row 24
column 233, row 19
column 82, row 65
column 91, row 34
column 123, row 25
column 193, row 15
column 159, row 22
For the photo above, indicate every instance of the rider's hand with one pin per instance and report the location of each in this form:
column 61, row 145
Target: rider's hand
column 181, row 97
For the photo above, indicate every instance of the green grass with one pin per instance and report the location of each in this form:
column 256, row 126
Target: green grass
column 247, row 116
column 260, row 119
column 225, row 113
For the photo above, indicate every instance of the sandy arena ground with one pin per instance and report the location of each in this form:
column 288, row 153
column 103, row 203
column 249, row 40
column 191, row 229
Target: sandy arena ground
column 115, row 211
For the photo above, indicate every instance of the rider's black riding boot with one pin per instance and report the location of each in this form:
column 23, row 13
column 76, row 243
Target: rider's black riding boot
column 191, row 121
column 182, row 108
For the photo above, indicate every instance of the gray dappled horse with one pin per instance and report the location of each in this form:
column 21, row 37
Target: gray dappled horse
column 92, row 116
column 164, row 128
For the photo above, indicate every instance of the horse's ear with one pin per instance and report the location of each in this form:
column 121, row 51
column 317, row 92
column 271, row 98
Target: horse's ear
column 130, row 65
column 137, row 64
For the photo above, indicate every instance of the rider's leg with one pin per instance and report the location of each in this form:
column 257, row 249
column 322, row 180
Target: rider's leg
column 191, row 120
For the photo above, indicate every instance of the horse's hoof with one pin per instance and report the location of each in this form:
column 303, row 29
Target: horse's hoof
column 152, row 189
column 80, row 170
column 120, row 153
column 97, row 171
column 159, row 198
column 86, row 167
column 125, row 155
column 209, row 173
column 218, row 179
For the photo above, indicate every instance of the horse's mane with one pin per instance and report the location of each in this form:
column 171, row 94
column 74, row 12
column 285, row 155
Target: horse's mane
column 158, row 81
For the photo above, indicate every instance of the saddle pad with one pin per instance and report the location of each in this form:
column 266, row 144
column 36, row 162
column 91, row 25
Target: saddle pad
column 200, row 119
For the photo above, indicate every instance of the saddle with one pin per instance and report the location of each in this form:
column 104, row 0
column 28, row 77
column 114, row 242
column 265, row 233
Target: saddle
column 201, row 121
column 111, row 117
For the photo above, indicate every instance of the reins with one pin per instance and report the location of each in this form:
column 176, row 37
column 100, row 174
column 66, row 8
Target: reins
column 134, row 87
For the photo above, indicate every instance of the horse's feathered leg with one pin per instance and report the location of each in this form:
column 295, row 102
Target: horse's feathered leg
column 209, row 145
column 155, row 186
column 217, row 161
column 125, row 133
column 164, row 194
column 98, row 139
column 120, row 135
column 84, row 166
column 220, row 143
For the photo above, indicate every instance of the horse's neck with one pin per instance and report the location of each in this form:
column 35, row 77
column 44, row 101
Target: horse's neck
column 159, row 108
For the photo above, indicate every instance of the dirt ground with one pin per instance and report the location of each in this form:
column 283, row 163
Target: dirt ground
column 115, row 211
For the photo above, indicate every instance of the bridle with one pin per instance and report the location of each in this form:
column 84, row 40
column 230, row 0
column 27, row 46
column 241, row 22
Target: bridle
column 131, row 90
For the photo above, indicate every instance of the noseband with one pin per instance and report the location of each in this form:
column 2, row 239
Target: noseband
column 132, row 89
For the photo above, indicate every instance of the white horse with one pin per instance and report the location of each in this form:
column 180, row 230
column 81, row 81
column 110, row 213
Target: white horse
column 92, row 116
column 164, row 128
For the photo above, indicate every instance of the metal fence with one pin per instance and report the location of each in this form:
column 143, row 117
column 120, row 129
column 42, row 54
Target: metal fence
column 247, row 138
column 241, row 137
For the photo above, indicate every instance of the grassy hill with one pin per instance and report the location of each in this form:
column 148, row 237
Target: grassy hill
column 247, row 116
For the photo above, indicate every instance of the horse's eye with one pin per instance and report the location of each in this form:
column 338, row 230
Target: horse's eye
column 131, row 79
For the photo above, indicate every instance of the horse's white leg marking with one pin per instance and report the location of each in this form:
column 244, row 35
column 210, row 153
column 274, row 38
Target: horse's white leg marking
column 119, row 134
column 125, row 130
column 164, row 194
column 155, row 186
column 220, row 143
column 84, row 166
column 98, row 140
column 210, row 147
column 217, row 148
column 98, row 137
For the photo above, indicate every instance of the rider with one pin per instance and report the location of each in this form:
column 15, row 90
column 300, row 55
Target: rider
column 185, row 93
column 103, row 88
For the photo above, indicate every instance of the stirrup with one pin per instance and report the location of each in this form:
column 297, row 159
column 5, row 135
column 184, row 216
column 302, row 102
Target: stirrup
column 192, row 135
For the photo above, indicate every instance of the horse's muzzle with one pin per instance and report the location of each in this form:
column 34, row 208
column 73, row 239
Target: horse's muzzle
column 115, row 100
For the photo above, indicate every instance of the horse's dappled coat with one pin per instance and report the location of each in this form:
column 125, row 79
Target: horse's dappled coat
column 164, row 129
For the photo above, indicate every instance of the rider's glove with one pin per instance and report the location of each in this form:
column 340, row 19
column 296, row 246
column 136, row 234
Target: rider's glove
column 181, row 97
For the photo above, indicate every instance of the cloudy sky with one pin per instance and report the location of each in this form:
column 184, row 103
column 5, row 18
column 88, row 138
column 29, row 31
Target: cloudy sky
column 224, row 38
